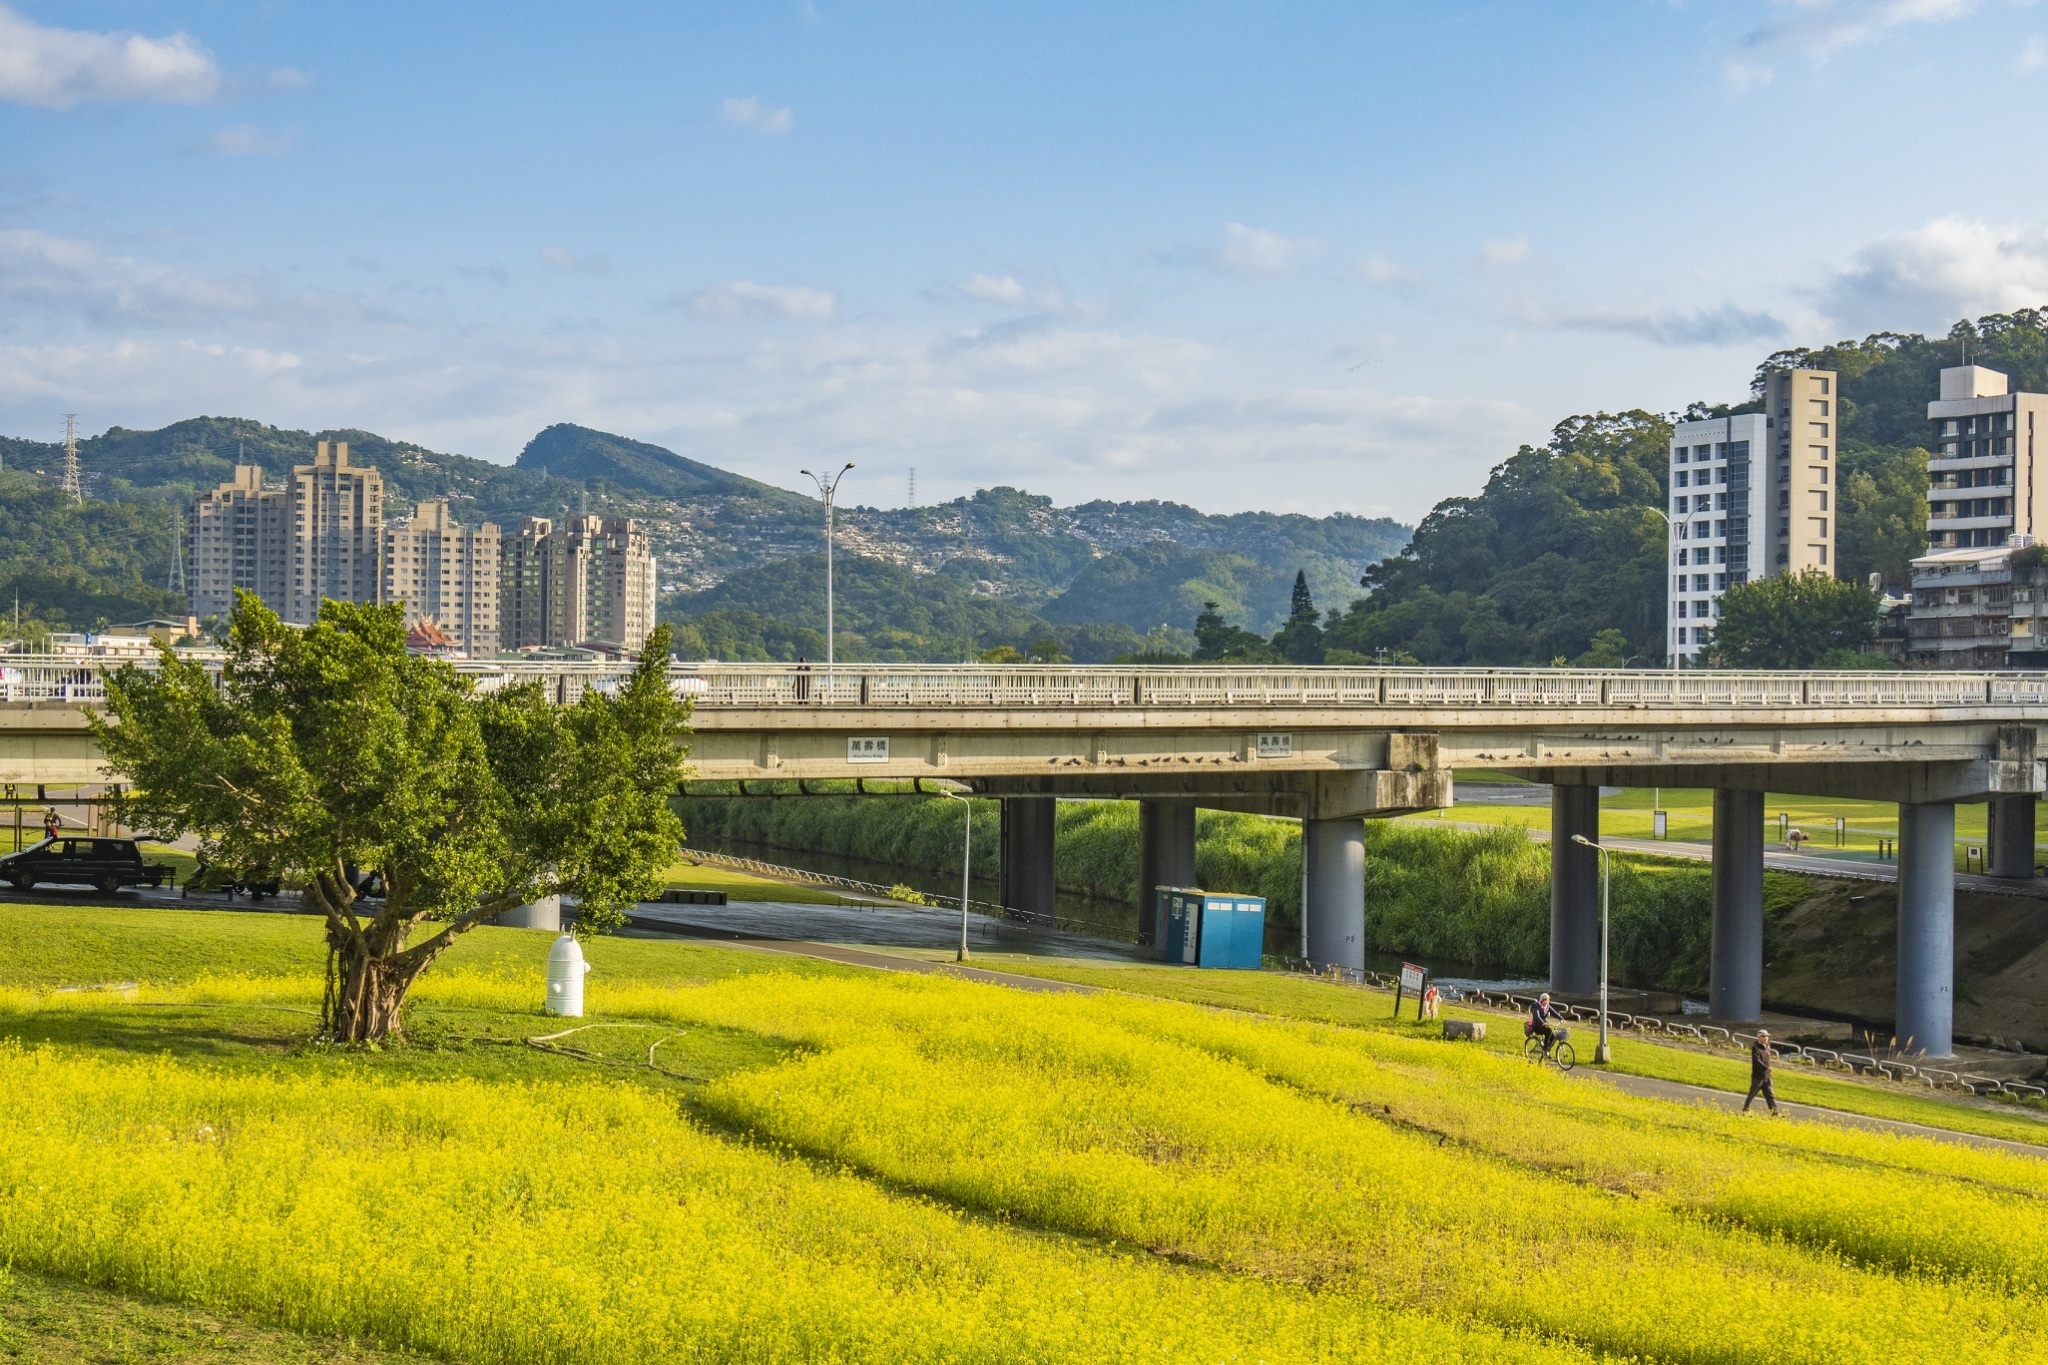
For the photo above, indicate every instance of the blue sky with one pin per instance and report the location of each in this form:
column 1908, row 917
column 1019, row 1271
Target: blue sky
column 1295, row 257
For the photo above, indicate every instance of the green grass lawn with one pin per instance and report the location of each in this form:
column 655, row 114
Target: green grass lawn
column 1298, row 997
column 742, row 886
column 1690, row 819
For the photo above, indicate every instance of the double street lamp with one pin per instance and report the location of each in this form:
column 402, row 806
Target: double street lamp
column 1671, row 626
column 1600, row 1050
column 828, row 489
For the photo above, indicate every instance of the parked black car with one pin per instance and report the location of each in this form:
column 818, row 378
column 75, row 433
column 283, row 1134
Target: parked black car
column 104, row 864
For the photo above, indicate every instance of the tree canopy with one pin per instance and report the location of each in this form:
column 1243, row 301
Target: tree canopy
column 332, row 758
column 1793, row 621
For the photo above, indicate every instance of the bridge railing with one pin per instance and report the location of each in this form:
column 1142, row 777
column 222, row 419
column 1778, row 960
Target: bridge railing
column 723, row 686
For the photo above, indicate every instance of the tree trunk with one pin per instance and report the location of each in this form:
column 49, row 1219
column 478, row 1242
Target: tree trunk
column 368, row 991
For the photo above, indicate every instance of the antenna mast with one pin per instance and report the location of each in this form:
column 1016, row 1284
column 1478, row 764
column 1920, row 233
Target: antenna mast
column 71, row 479
column 177, row 583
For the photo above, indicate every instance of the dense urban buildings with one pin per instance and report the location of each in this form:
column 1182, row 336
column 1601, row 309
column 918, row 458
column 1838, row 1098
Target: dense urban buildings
column 1751, row 495
column 1979, row 608
column 447, row 576
column 581, row 582
column 237, row 536
column 1982, row 476
column 578, row 581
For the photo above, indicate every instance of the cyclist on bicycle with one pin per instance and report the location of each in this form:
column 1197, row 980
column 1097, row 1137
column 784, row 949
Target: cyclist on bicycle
column 1542, row 1015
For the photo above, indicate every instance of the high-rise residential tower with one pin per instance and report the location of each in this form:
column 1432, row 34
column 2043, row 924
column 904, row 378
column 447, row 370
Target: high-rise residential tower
column 337, row 533
column 1751, row 495
column 582, row 580
column 237, row 536
column 1984, row 480
column 445, row 573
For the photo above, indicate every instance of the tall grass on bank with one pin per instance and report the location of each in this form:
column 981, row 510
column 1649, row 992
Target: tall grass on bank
column 1466, row 896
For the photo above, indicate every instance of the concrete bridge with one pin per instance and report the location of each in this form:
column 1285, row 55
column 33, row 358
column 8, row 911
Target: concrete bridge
column 1335, row 747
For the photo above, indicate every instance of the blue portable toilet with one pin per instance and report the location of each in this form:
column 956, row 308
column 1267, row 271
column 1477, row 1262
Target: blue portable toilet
column 1210, row 929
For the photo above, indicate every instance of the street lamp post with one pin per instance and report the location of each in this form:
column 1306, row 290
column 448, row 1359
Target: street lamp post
column 1600, row 1055
column 828, row 489
column 1670, row 619
column 966, row 866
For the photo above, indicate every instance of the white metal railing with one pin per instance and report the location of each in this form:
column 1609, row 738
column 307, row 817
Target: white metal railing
column 720, row 686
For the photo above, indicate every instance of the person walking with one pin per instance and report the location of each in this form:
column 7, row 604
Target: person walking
column 1761, row 1060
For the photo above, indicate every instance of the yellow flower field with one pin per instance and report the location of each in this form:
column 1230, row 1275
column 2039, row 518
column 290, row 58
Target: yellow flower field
column 951, row 1171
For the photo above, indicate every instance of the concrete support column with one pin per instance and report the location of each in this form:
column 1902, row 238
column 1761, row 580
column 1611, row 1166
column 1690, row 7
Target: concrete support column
column 1735, row 973
column 1335, row 850
column 1927, row 929
column 1027, row 880
column 1166, row 856
column 1574, row 891
column 2010, row 836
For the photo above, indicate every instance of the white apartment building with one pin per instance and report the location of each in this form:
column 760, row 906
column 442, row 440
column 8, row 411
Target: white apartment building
column 1751, row 495
column 447, row 574
column 237, row 536
column 1983, row 479
column 337, row 533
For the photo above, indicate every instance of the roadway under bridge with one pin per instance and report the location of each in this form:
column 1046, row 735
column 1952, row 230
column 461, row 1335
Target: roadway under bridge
column 1335, row 748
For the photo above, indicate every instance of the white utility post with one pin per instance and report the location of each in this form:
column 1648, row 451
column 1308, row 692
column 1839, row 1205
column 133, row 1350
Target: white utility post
column 1600, row 1055
column 966, row 866
column 1670, row 622
column 828, row 489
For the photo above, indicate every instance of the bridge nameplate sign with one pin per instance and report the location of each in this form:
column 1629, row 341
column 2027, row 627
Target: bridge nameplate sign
column 1275, row 746
column 867, row 748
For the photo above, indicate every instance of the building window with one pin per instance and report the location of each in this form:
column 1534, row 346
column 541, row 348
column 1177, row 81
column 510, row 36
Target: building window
column 1678, row 454
column 1720, row 582
column 1700, row 529
column 1683, row 476
column 1699, row 582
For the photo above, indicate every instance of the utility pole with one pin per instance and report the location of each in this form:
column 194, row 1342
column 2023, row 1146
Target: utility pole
column 828, row 489
column 72, row 484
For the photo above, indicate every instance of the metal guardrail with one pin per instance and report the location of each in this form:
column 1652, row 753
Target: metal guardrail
column 1036, row 687
column 1009, row 915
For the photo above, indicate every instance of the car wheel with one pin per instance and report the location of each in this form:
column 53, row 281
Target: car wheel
column 22, row 883
column 107, row 885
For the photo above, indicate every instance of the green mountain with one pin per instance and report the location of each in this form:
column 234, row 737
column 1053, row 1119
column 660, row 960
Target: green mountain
column 604, row 461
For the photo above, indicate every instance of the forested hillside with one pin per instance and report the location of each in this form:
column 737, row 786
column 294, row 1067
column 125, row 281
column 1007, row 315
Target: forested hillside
column 1562, row 544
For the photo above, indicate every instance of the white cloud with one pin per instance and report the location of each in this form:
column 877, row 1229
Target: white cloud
column 1723, row 326
column 746, row 299
column 1263, row 253
column 993, row 289
column 752, row 112
column 2033, row 54
column 1504, row 251
column 57, row 68
column 74, row 276
column 1949, row 268
column 563, row 261
column 1819, row 29
column 288, row 78
column 1380, row 270
column 244, row 139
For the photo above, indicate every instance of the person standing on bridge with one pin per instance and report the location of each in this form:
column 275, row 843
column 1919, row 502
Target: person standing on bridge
column 1761, row 1061
column 803, row 679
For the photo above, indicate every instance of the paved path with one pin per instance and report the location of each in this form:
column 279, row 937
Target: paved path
column 880, row 926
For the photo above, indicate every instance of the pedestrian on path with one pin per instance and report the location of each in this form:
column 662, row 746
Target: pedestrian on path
column 1761, row 1060
column 50, row 824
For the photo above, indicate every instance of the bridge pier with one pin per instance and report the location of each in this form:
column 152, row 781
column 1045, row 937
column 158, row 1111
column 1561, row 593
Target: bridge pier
column 1335, row 907
column 1166, row 856
column 2010, row 836
column 1574, row 890
column 1027, row 882
column 1735, row 974
column 1927, row 928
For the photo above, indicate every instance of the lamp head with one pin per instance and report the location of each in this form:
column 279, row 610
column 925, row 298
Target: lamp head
column 1582, row 839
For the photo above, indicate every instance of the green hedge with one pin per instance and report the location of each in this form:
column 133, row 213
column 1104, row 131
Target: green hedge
column 1479, row 897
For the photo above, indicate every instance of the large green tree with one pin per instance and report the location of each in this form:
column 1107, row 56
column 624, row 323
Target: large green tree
column 1793, row 621
column 1300, row 641
column 327, row 753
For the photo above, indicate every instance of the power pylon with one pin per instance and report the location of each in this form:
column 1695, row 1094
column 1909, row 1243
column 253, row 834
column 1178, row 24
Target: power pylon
column 72, row 483
column 177, row 583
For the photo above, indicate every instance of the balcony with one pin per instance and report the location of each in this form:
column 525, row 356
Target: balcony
column 1935, row 524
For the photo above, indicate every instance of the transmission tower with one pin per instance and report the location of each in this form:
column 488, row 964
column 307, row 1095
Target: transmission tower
column 177, row 583
column 72, row 484
column 912, row 489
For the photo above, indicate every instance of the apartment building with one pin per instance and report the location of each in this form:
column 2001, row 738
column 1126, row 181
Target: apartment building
column 1983, row 481
column 582, row 580
column 1751, row 494
column 447, row 575
column 1979, row 608
column 237, row 536
column 337, row 533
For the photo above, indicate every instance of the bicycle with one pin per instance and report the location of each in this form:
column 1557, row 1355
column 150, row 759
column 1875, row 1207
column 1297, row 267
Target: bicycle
column 1560, row 1054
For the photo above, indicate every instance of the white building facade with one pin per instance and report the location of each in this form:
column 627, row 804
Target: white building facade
column 1718, row 513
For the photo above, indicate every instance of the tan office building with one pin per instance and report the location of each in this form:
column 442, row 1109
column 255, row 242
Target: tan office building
column 580, row 581
column 1984, row 484
column 447, row 574
column 238, row 536
column 1803, row 408
column 337, row 533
